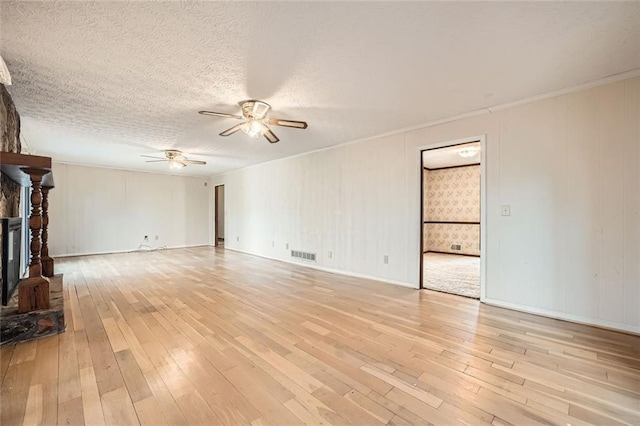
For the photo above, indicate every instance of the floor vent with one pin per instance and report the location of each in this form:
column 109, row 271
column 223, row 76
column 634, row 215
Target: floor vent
column 311, row 257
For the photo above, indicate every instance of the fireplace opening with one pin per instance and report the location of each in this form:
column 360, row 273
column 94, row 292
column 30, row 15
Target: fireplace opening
column 11, row 242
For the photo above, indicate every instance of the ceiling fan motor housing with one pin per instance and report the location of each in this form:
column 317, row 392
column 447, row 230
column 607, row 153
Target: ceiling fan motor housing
column 254, row 110
column 173, row 154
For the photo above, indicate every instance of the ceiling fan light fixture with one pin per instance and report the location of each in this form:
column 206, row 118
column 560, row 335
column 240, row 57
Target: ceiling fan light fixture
column 175, row 159
column 469, row 152
column 254, row 128
column 256, row 123
column 176, row 164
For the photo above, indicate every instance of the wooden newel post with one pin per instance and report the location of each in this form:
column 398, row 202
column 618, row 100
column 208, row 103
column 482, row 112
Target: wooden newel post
column 47, row 261
column 33, row 293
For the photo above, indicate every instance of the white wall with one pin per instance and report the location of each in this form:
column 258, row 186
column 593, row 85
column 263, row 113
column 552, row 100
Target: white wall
column 97, row 210
column 568, row 166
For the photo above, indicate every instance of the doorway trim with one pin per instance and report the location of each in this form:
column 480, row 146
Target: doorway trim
column 483, row 205
column 215, row 214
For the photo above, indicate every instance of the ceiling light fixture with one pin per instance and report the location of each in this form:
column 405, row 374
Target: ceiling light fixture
column 257, row 122
column 176, row 164
column 469, row 152
column 174, row 158
column 253, row 128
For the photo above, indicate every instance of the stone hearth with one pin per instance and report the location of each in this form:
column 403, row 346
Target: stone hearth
column 16, row 327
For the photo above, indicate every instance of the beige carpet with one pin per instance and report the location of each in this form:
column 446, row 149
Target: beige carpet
column 452, row 273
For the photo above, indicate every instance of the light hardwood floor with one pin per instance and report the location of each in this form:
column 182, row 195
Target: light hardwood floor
column 206, row 336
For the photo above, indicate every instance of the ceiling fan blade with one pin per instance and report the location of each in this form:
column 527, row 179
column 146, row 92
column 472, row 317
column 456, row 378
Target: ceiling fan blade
column 271, row 137
column 184, row 160
column 287, row 123
column 232, row 130
column 155, row 161
column 221, row 114
column 150, row 156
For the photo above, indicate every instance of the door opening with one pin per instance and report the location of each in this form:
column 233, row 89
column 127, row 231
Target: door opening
column 451, row 213
column 219, row 216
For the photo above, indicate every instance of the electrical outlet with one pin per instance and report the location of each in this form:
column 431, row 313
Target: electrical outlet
column 286, row 246
column 157, row 238
column 238, row 239
column 273, row 243
column 330, row 255
column 386, row 259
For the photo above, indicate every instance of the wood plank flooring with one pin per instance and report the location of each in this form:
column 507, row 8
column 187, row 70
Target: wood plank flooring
column 158, row 338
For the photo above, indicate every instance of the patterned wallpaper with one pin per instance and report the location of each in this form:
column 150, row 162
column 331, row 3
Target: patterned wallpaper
column 440, row 237
column 452, row 195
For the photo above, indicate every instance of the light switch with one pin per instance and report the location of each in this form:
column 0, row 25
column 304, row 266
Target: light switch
column 506, row 210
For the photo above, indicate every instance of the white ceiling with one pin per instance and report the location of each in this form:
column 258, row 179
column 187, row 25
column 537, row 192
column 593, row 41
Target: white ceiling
column 449, row 156
column 103, row 82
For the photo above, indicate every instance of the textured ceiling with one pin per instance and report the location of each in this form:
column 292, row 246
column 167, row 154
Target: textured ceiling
column 103, row 82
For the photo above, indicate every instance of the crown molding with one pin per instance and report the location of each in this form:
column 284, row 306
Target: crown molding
column 482, row 111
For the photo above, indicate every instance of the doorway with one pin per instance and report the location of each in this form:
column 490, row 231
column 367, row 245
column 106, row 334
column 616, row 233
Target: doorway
column 452, row 188
column 219, row 216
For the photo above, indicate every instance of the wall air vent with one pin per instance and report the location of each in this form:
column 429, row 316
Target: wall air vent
column 456, row 247
column 311, row 257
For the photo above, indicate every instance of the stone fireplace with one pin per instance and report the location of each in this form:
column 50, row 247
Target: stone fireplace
column 38, row 307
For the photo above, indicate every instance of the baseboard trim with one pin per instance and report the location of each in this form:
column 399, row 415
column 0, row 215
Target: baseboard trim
column 96, row 253
column 329, row 270
column 578, row 319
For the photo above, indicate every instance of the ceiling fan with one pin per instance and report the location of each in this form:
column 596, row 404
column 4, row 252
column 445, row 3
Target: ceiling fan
column 175, row 158
column 254, row 114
